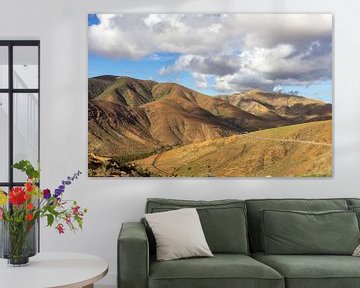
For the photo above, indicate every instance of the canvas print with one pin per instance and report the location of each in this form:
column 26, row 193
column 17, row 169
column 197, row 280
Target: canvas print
column 210, row 95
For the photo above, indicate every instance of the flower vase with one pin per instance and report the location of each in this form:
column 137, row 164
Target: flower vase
column 18, row 242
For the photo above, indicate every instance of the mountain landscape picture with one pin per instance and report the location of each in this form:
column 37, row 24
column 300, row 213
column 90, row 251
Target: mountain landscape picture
column 210, row 95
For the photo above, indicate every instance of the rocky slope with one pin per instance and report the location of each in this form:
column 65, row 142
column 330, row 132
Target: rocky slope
column 132, row 117
column 295, row 150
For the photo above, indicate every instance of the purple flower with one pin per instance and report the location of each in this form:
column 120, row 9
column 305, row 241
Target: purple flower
column 57, row 193
column 64, row 183
column 46, row 194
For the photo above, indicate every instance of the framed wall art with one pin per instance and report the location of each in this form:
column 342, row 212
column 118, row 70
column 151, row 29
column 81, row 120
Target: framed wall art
column 210, row 95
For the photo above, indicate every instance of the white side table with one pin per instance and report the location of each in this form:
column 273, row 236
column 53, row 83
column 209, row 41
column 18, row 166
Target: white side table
column 50, row 270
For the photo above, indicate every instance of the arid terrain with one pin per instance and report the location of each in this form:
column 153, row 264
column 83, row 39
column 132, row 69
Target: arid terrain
column 303, row 149
column 145, row 128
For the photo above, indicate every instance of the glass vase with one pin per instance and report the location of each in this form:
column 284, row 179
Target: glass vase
column 18, row 242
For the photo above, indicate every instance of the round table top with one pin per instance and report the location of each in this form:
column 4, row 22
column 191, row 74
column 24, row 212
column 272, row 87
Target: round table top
column 68, row 270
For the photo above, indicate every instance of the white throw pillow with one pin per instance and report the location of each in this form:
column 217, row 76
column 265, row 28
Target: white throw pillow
column 178, row 234
column 357, row 251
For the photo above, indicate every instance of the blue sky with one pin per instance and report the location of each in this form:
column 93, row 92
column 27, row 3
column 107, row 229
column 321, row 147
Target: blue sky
column 146, row 68
column 161, row 48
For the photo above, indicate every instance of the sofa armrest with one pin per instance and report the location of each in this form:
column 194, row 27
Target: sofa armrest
column 133, row 256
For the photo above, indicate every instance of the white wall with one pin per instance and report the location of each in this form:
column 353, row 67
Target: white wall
column 62, row 28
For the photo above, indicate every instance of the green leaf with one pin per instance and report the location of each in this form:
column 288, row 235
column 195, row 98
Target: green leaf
column 79, row 221
column 50, row 219
column 26, row 167
column 53, row 211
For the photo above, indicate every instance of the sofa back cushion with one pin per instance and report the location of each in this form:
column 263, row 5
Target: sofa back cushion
column 255, row 206
column 298, row 232
column 223, row 221
column 353, row 201
column 354, row 205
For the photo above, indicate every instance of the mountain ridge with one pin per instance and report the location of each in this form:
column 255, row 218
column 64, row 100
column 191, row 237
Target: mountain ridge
column 134, row 116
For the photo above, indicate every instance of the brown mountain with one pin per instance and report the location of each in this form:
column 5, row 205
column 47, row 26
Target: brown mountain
column 128, row 91
column 131, row 117
column 98, row 85
column 280, row 107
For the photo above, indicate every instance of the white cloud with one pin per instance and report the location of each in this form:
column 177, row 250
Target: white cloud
column 286, row 62
column 243, row 80
column 201, row 80
column 214, row 64
column 139, row 35
column 278, row 89
column 272, row 29
column 241, row 51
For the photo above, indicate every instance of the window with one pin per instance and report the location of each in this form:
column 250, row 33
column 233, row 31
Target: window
column 19, row 108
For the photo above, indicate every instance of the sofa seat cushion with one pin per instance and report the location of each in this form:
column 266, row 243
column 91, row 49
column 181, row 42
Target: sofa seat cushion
column 222, row 270
column 314, row 271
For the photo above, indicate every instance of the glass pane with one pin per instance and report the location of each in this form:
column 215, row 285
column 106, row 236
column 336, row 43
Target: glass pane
column 4, row 67
column 26, row 132
column 26, row 63
column 5, row 189
column 4, row 137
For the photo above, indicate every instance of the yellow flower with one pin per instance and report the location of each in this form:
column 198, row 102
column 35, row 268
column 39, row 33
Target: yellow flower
column 3, row 198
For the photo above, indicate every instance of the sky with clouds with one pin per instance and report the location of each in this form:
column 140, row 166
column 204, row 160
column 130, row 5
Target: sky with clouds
column 217, row 53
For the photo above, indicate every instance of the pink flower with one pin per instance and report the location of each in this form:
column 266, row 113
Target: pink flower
column 1, row 214
column 60, row 228
column 68, row 219
column 76, row 210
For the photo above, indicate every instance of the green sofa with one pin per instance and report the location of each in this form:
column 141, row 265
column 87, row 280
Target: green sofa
column 233, row 231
